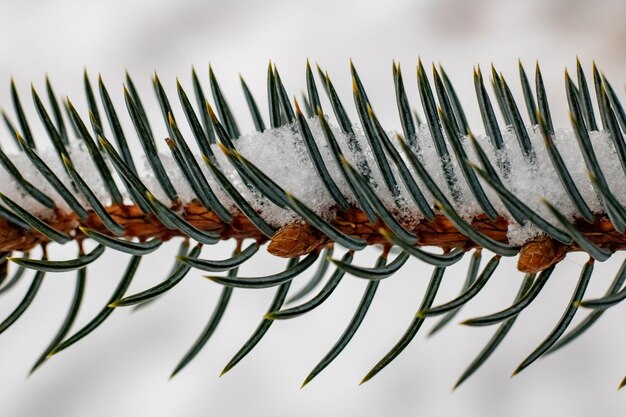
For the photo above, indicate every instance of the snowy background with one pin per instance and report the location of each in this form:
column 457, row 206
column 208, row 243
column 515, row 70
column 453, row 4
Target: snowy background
column 122, row 368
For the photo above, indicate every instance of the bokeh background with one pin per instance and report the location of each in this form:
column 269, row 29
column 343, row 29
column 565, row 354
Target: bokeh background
column 122, row 369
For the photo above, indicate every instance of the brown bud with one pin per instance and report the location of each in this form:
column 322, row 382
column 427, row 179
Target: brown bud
column 540, row 254
column 296, row 239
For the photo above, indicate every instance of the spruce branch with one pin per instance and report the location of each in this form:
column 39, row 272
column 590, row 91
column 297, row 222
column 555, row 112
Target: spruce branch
column 434, row 192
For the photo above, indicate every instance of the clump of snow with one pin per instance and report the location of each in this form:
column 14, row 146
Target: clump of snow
column 282, row 155
column 82, row 162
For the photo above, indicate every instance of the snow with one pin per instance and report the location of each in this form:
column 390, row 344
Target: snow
column 282, row 155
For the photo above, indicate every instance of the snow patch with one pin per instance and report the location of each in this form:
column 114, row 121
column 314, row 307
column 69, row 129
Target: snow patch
column 282, row 155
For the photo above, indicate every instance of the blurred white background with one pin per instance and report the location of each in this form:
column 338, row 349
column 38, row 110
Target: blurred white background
column 122, row 369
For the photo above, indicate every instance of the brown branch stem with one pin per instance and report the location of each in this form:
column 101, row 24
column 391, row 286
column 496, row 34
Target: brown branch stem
column 299, row 238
